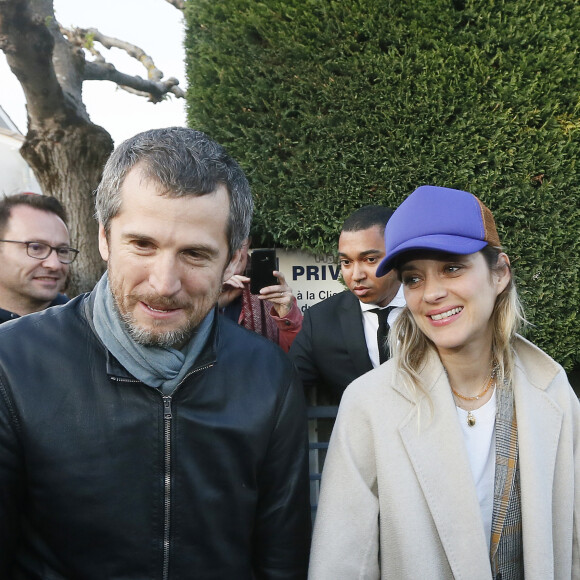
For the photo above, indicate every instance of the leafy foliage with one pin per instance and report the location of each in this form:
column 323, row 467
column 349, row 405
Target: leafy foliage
column 334, row 104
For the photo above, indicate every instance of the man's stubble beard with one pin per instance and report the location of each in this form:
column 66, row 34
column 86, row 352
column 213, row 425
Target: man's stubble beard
column 175, row 338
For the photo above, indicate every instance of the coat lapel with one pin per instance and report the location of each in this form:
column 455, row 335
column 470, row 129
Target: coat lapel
column 439, row 458
column 353, row 334
column 539, row 425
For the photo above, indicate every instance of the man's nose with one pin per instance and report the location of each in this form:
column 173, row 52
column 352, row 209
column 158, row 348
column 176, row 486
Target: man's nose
column 358, row 271
column 164, row 277
column 52, row 262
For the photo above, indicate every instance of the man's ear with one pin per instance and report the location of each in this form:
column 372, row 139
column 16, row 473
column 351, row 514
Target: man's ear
column 502, row 272
column 103, row 243
column 230, row 269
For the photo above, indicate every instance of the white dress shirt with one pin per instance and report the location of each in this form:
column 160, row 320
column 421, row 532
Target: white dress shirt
column 371, row 323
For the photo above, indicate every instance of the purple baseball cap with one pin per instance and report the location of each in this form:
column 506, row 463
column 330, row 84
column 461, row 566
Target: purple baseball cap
column 438, row 218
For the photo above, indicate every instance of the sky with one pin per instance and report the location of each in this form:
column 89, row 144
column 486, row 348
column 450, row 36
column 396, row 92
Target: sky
column 153, row 25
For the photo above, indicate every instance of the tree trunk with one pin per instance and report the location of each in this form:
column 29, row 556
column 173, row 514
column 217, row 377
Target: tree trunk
column 65, row 150
column 68, row 161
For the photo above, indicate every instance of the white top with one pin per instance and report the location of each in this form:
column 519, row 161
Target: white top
column 480, row 444
column 371, row 323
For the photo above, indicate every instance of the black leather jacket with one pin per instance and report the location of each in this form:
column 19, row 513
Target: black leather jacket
column 103, row 477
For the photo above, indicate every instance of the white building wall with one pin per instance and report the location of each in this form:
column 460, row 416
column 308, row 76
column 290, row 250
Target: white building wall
column 15, row 174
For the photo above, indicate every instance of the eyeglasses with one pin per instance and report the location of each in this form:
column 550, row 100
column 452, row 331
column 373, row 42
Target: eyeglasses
column 41, row 251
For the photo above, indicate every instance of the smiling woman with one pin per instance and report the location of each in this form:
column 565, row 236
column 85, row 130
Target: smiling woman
column 456, row 458
column 451, row 299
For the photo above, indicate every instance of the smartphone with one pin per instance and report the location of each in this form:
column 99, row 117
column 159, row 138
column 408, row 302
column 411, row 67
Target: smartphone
column 262, row 263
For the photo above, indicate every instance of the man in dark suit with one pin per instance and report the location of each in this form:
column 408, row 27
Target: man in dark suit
column 342, row 337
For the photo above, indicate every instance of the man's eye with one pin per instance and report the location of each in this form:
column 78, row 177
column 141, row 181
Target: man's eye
column 344, row 262
column 194, row 256
column 142, row 245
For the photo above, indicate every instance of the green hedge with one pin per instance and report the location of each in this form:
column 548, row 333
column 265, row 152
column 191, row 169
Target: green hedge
column 330, row 105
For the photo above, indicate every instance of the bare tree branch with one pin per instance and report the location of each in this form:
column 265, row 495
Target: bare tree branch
column 179, row 4
column 26, row 38
column 86, row 37
column 153, row 87
column 64, row 148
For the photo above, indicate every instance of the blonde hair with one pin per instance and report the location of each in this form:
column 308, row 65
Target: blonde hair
column 409, row 346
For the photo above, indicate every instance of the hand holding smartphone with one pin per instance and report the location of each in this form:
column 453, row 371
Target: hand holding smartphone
column 263, row 262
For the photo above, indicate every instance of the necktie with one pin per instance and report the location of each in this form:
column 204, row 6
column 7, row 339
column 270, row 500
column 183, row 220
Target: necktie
column 383, row 332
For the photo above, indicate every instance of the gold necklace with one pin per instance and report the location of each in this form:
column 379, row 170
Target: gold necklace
column 470, row 416
column 487, row 384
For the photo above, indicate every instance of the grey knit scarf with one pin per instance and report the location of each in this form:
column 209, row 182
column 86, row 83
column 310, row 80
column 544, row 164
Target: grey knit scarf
column 157, row 367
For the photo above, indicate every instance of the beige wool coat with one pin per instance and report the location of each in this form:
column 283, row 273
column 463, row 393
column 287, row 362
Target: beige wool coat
column 398, row 501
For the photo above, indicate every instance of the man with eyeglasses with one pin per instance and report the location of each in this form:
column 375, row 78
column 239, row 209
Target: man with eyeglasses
column 35, row 254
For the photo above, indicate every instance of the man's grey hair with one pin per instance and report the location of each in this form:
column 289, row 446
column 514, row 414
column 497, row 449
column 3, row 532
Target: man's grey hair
column 183, row 162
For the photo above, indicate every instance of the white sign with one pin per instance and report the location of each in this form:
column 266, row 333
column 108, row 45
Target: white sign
column 311, row 277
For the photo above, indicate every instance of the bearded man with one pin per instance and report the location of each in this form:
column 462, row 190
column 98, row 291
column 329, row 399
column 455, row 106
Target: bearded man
column 141, row 434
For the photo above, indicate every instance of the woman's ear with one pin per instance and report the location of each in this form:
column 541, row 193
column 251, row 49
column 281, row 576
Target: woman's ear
column 502, row 272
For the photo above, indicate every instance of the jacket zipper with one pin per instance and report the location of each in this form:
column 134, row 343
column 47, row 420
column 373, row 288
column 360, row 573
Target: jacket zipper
column 166, row 482
column 167, row 416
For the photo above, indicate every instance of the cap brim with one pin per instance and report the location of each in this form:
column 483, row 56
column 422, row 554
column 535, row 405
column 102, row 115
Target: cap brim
column 443, row 243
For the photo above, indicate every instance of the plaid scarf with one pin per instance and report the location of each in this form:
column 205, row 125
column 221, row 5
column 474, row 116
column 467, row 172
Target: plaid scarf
column 254, row 316
column 506, row 551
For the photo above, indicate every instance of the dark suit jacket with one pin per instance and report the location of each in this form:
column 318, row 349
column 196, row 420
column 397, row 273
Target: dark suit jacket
column 330, row 351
